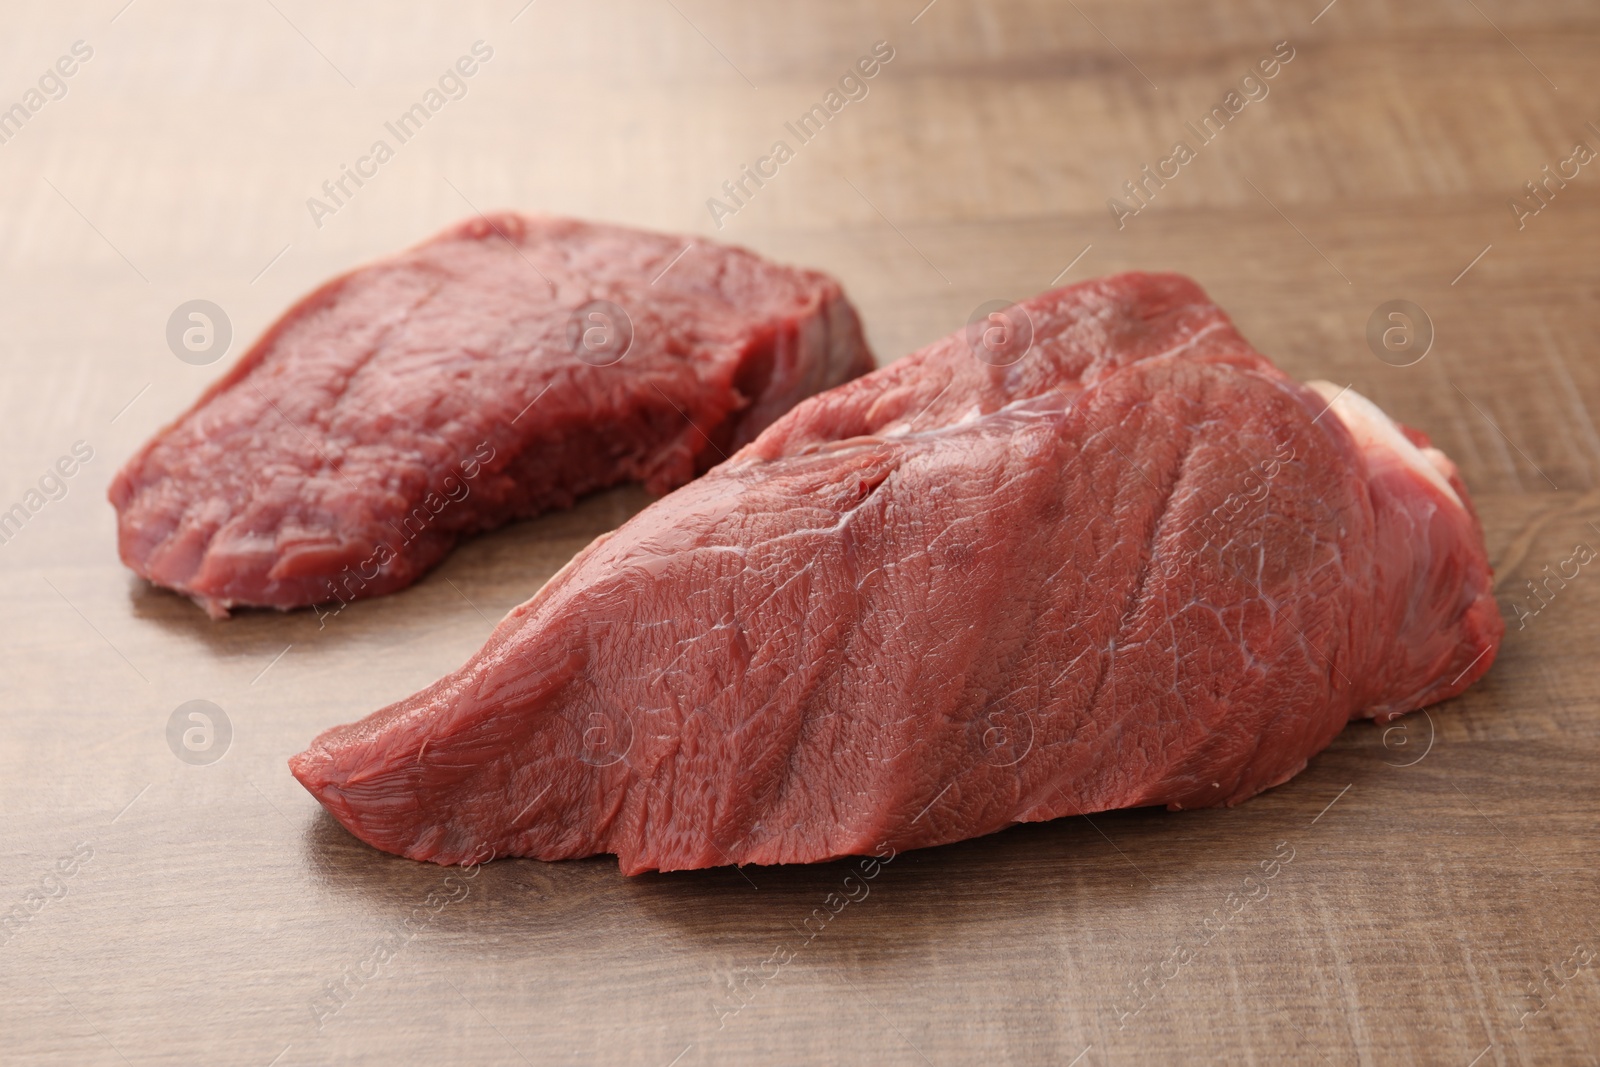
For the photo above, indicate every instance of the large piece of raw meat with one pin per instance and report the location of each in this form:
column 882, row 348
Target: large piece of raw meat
column 1138, row 565
column 505, row 367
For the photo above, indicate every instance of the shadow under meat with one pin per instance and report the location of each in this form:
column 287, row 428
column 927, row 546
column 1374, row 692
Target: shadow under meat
column 521, row 908
column 510, row 563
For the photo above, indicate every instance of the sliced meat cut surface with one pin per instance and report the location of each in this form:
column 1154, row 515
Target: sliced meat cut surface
column 1137, row 565
column 503, row 368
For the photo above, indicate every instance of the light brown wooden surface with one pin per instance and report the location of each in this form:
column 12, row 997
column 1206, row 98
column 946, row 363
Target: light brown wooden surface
column 1437, row 868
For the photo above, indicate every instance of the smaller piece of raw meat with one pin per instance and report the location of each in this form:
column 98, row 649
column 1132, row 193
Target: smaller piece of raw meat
column 501, row 369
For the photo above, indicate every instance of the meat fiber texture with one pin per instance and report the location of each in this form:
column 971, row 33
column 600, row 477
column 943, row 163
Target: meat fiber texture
column 483, row 376
column 1138, row 565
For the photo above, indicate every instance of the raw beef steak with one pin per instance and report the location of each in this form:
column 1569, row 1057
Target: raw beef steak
column 1139, row 565
column 503, row 368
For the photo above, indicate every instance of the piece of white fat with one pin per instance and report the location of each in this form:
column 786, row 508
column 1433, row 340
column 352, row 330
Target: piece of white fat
column 1381, row 440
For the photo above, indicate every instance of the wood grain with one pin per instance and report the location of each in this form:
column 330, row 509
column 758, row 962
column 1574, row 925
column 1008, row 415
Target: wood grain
column 182, row 913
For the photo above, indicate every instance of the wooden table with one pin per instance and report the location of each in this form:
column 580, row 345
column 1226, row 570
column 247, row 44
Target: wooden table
column 1427, row 875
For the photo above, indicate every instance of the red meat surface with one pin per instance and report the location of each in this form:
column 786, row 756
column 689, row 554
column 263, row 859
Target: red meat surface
column 463, row 384
column 1139, row 565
